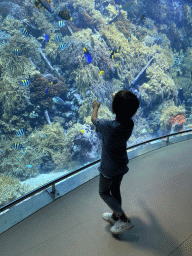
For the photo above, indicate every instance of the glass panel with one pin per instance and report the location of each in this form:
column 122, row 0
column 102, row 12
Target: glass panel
column 57, row 58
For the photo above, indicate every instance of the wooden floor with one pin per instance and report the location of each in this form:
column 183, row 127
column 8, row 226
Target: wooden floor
column 156, row 195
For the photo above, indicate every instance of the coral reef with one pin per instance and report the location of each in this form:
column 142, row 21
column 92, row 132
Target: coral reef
column 11, row 189
column 179, row 119
column 168, row 113
column 38, row 91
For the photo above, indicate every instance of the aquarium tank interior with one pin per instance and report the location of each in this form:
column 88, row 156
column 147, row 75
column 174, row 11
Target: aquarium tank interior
column 57, row 57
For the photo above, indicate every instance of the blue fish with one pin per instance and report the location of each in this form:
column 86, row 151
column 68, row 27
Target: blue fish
column 117, row 1
column 47, row 90
column 47, row 38
column 87, row 55
column 58, row 101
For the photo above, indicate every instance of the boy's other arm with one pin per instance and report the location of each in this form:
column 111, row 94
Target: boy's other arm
column 95, row 110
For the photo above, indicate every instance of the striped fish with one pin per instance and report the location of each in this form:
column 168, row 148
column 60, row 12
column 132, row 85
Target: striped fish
column 25, row 82
column 61, row 24
column 24, row 31
column 17, row 52
column 17, row 146
column 58, row 38
column 62, row 46
column 20, row 132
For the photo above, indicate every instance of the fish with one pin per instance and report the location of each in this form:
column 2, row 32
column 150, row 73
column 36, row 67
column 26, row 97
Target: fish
column 142, row 17
column 47, row 38
column 47, row 90
column 20, row 132
column 25, row 82
column 17, row 146
column 117, row 2
column 61, row 24
column 82, row 131
column 78, row 97
column 92, row 42
column 58, row 100
column 46, row 4
column 115, row 50
column 129, row 6
column 17, row 52
column 62, row 46
column 58, row 38
column 87, row 55
column 101, row 72
column 64, row 15
column 24, row 31
column 29, row 166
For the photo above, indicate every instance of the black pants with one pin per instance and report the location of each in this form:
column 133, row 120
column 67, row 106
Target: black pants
column 107, row 185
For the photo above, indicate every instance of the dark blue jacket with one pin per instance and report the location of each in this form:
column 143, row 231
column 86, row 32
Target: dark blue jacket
column 114, row 137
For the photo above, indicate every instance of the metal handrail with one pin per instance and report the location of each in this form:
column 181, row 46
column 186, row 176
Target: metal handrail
column 53, row 182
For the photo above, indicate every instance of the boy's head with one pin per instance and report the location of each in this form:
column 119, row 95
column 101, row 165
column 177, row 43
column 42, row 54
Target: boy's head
column 125, row 104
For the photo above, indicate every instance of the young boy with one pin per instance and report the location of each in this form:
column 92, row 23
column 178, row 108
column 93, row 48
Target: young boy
column 114, row 160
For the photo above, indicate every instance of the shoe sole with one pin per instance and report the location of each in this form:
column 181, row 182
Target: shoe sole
column 122, row 230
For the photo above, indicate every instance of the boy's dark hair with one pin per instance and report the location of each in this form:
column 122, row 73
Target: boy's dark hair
column 125, row 104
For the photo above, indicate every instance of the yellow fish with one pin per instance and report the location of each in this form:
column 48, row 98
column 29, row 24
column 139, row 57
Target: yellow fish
column 117, row 65
column 95, row 98
column 83, row 131
column 101, row 72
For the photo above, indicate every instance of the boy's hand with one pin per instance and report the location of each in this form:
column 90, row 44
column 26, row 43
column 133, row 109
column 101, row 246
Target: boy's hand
column 95, row 104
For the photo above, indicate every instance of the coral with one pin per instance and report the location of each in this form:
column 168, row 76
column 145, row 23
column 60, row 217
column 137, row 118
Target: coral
column 16, row 66
column 13, row 101
column 85, row 77
column 112, row 10
column 38, row 88
column 4, row 38
column 160, row 85
column 86, row 20
column 11, row 9
column 169, row 111
column 179, row 119
column 52, row 144
column 41, row 21
column 14, row 162
column 51, row 49
column 89, row 4
column 11, row 189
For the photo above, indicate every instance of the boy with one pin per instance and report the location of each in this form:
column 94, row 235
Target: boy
column 114, row 160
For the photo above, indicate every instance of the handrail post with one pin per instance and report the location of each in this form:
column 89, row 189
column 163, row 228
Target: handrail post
column 167, row 141
column 53, row 189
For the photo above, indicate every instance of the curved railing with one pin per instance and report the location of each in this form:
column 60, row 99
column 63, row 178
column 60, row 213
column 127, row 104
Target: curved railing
column 65, row 176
